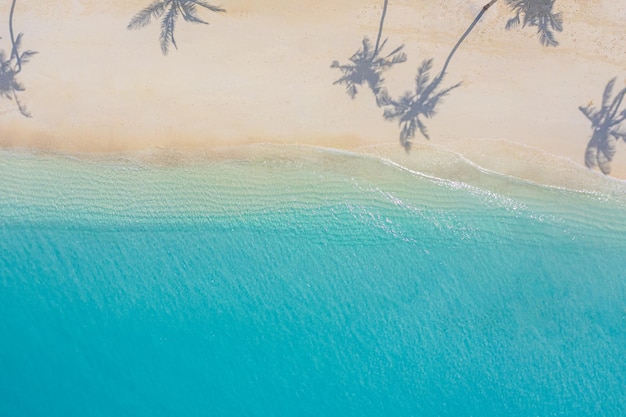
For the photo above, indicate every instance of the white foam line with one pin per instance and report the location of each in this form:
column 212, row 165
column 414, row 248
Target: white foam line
column 363, row 151
column 500, row 174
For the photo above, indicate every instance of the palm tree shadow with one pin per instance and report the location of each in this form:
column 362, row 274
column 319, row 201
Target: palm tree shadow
column 537, row 13
column 607, row 131
column 368, row 64
column 170, row 10
column 422, row 102
column 367, row 67
column 11, row 66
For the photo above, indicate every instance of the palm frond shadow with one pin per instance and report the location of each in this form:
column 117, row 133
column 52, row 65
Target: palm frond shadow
column 410, row 108
column 607, row 129
column 413, row 107
column 539, row 14
column 170, row 10
column 11, row 66
column 368, row 64
column 366, row 67
column 424, row 100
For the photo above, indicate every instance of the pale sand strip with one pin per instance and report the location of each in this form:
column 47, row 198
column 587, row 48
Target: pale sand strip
column 260, row 73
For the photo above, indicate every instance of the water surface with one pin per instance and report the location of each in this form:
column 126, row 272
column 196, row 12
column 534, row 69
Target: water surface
column 305, row 282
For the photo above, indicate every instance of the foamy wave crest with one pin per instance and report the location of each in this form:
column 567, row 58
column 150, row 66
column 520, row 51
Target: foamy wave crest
column 255, row 183
column 500, row 164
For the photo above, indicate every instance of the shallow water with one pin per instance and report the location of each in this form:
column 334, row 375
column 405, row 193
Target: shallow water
column 299, row 281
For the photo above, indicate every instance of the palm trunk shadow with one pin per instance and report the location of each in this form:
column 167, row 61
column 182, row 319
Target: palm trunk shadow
column 410, row 108
column 413, row 106
column 367, row 65
column 464, row 35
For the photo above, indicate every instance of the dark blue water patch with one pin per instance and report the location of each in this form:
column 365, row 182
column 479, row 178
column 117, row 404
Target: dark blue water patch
column 255, row 318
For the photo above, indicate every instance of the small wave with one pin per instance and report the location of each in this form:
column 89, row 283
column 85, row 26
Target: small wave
column 507, row 164
column 376, row 165
column 469, row 161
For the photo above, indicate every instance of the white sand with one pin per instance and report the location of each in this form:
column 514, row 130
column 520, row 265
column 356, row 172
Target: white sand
column 260, row 73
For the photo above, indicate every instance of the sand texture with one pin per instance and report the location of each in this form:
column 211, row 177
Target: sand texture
column 261, row 73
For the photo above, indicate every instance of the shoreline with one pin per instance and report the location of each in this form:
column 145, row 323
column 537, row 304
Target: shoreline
column 426, row 159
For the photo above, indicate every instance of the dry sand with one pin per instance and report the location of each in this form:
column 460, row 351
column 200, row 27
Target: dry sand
column 260, row 73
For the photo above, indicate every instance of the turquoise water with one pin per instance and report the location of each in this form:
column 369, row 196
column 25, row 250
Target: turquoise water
column 305, row 282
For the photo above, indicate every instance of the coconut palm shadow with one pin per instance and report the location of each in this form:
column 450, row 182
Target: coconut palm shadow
column 408, row 108
column 170, row 10
column 368, row 64
column 367, row 67
column 422, row 102
column 11, row 66
column 536, row 13
column 607, row 131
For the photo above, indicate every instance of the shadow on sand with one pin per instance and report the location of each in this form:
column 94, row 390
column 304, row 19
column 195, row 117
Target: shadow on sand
column 414, row 106
column 539, row 14
column 11, row 66
column 607, row 131
column 170, row 10
column 368, row 64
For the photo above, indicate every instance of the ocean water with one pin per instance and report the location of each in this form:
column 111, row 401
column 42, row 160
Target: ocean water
column 286, row 281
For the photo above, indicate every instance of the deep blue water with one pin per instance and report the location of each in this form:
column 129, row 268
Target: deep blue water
column 309, row 285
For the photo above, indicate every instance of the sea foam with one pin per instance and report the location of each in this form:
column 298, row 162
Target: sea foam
column 286, row 280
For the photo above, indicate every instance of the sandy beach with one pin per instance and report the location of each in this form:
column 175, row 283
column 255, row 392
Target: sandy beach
column 223, row 231
column 261, row 73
